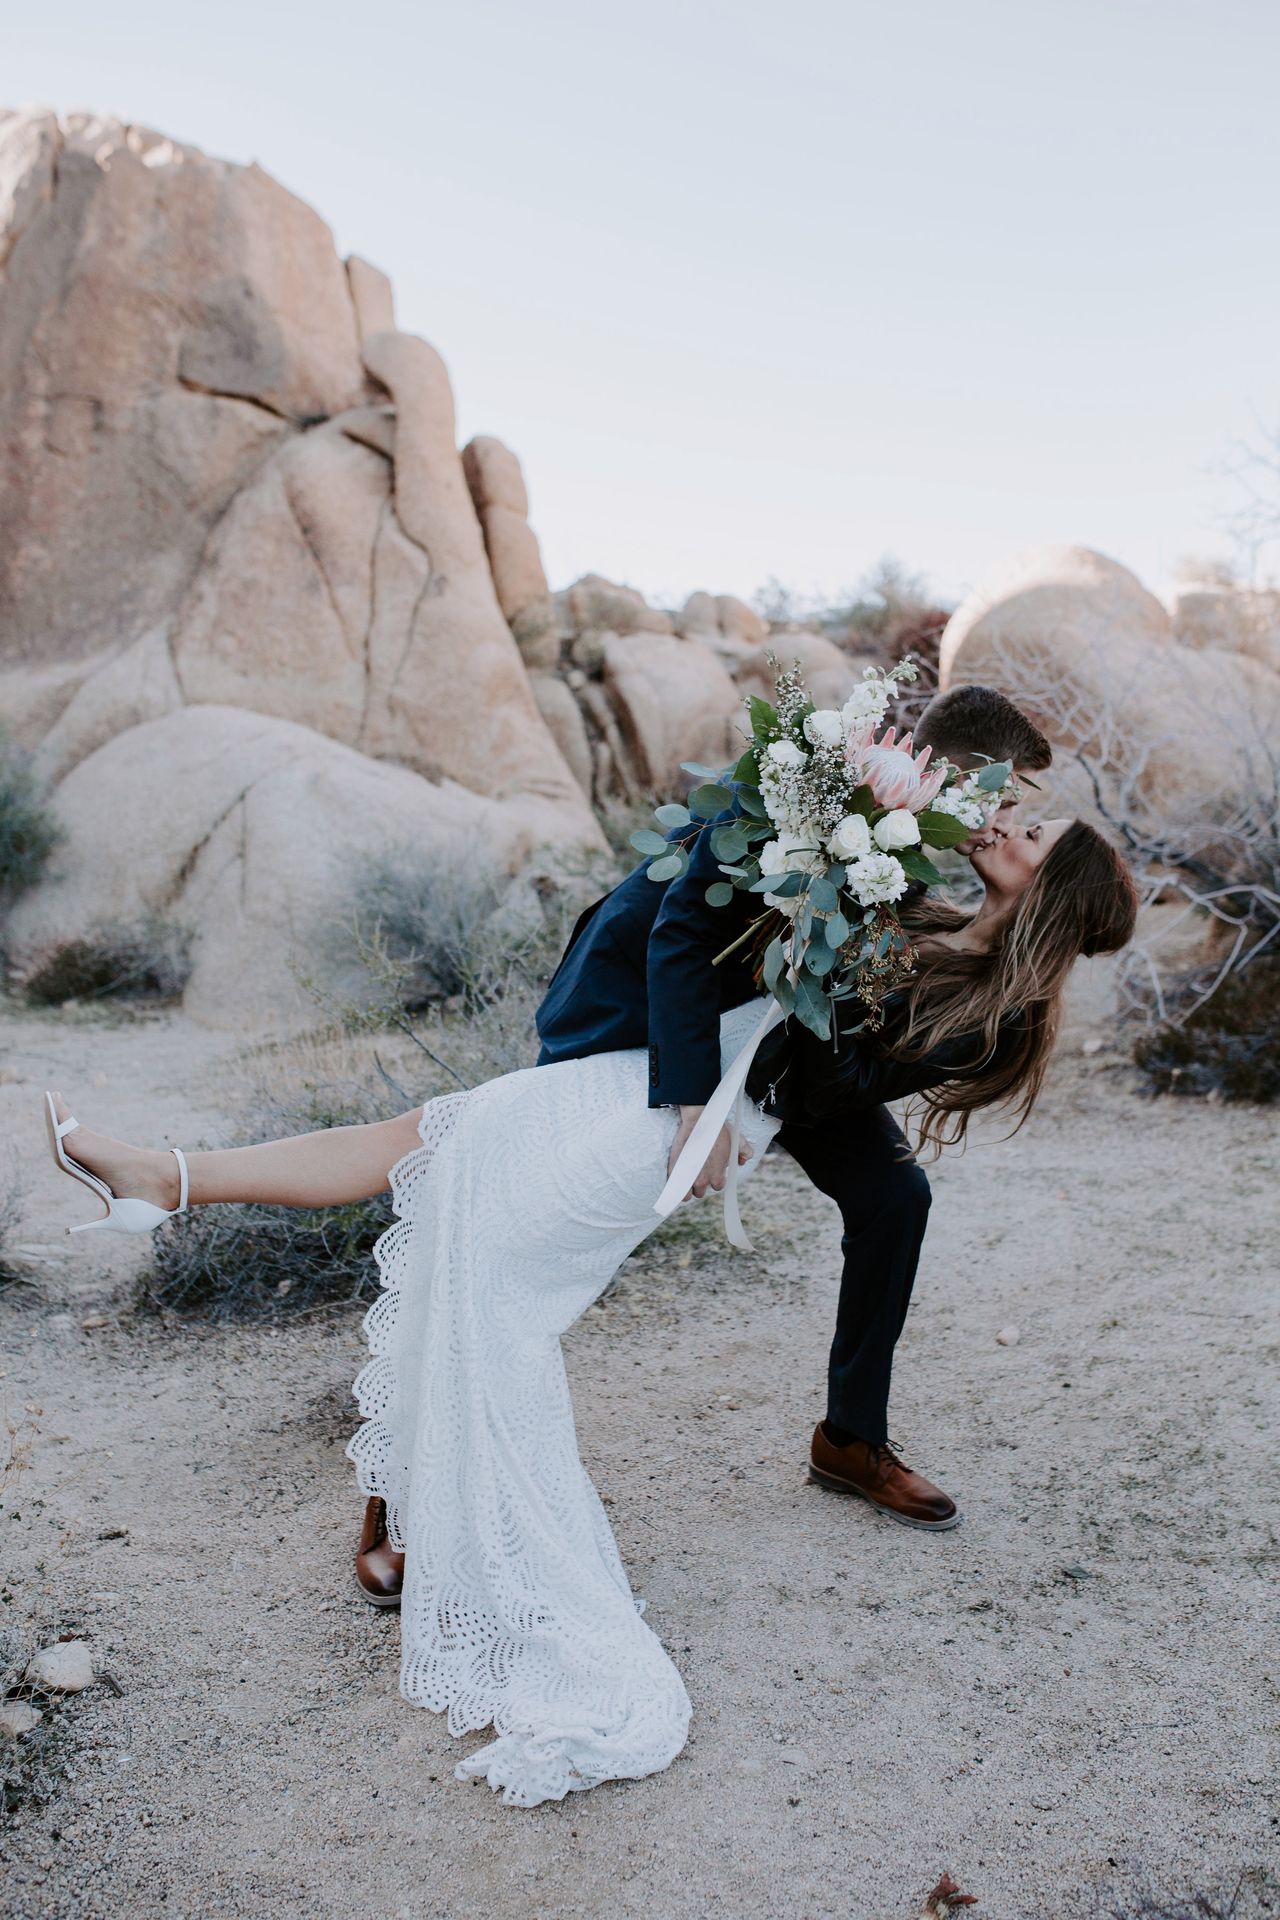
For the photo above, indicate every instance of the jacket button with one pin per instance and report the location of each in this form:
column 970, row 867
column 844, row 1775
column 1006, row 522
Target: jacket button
column 653, row 1066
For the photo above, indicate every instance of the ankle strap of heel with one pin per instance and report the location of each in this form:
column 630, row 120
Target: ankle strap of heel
column 184, row 1184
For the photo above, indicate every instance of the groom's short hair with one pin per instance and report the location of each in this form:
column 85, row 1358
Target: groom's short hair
column 967, row 723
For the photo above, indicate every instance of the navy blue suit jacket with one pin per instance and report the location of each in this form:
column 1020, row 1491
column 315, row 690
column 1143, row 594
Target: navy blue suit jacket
column 636, row 974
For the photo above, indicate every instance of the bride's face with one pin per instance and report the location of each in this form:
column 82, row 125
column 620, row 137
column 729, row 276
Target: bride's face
column 1005, row 858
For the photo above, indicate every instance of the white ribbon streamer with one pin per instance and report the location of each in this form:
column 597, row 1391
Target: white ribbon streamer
column 724, row 1105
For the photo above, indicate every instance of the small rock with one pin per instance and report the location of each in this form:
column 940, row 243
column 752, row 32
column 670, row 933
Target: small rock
column 1008, row 1337
column 794, row 1757
column 17, row 1718
column 1093, row 1046
column 65, row 1667
column 106, row 1596
column 92, row 1321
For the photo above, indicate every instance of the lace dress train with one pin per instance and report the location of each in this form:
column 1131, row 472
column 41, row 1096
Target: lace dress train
column 523, row 1199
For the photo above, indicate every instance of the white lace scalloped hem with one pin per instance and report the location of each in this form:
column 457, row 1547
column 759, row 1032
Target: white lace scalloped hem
column 513, row 1214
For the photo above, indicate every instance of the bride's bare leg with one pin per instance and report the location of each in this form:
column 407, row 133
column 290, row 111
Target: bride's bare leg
column 318, row 1169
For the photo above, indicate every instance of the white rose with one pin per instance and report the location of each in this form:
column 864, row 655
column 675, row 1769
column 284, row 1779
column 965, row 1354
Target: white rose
column 785, row 753
column 896, row 829
column 850, row 837
column 876, row 877
column 790, row 853
column 824, row 728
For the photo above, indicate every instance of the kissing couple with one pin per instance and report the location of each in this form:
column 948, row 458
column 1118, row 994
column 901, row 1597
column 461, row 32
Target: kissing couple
column 516, row 1202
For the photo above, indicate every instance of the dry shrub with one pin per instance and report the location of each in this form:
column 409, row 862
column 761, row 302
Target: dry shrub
column 144, row 959
column 28, row 831
column 12, row 1194
column 1251, row 1895
column 450, row 975
column 1227, row 1047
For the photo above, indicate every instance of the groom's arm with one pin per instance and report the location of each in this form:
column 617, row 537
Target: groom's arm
column 683, row 985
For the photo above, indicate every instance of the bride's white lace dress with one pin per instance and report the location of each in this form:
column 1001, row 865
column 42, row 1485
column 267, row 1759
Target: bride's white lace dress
column 522, row 1201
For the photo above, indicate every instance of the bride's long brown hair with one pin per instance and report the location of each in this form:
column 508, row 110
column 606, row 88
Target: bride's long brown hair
column 1081, row 900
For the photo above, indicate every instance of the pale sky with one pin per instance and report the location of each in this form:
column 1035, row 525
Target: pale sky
column 773, row 289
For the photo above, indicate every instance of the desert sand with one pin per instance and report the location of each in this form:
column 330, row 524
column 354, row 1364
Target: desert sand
column 1076, row 1690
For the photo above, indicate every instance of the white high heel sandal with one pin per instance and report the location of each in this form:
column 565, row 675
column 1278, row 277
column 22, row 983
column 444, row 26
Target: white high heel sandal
column 122, row 1215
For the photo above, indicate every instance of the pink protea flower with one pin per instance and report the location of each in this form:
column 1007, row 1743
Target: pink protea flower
column 895, row 775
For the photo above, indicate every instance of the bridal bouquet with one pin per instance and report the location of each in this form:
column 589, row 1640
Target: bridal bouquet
column 836, row 814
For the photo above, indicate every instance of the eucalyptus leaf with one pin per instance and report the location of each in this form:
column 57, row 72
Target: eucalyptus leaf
column 647, row 841
column 812, row 1007
column 775, row 964
column 785, row 885
column 729, row 842
column 836, row 873
column 837, row 929
column 785, row 994
column 706, row 801
column 818, row 958
column 701, row 772
column 668, row 867
column 718, row 894
column 993, row 777
column 823, row 895
column 673, row 815
column 749, row 799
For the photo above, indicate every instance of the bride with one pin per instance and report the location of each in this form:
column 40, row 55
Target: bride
column 515, row 1204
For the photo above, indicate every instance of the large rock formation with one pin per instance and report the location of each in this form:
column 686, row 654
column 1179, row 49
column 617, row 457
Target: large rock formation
column 232, row 483
column 252, row 831
column 1082, row 643
column 257, row 612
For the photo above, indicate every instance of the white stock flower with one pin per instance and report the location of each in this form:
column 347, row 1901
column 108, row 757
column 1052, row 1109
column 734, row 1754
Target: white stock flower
column 896, row 829
column 824, row 728
column 876, row 877
column 957, row 802
column 868, row 701
column 850, row 837
column 785, row 753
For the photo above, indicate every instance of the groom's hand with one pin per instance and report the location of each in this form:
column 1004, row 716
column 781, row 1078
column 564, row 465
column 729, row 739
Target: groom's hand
column 716, row 1166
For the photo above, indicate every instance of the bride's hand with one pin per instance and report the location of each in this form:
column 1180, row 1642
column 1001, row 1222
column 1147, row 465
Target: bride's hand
column 716, row 1166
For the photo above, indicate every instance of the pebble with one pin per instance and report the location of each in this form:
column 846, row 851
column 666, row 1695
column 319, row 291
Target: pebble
column 1008, row 1337
column 65, row 1667
column 17, row 1718
column 794, row 1757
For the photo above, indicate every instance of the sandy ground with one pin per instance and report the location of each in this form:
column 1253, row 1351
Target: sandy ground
column 1078, row 1688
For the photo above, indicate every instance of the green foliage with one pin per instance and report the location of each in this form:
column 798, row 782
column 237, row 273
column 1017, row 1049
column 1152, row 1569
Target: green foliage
column 942, row 829
column 1228, row 1048
column 144, row 959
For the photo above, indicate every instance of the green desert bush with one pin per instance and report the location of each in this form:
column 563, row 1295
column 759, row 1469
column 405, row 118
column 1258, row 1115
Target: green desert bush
column 28, row 831
column 1228, row 1047
column 147, row 958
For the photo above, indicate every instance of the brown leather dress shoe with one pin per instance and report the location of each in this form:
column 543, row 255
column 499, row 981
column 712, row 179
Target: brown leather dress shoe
column 379, row 1568
column 880, row 1477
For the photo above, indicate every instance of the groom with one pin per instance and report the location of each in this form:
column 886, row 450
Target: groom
column 638, row 972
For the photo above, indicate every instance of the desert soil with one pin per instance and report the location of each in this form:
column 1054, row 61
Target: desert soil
column 1078, row 1689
